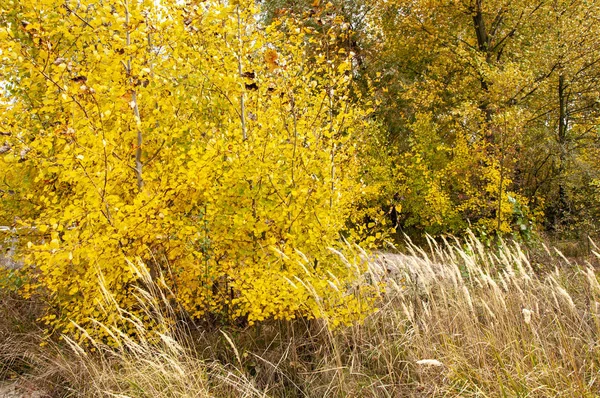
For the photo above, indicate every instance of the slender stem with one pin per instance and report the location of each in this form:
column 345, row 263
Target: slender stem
column 501, row 185
column 240, row 71
column 136, row 110
column 331, row 137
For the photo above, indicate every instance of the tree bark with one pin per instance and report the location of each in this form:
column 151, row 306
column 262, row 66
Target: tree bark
column 563, row 124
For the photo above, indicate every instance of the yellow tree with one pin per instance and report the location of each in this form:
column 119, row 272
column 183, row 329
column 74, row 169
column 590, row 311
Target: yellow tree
column 447, row 75
column 470, row 90
column 558, row 163
column 185, row 134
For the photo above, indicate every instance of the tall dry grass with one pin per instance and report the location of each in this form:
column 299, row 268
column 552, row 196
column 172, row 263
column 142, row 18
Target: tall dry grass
column 452, row 319
column 464, row 320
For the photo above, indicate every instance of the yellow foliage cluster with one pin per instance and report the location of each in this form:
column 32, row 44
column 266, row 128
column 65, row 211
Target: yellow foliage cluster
column 446, row 185
column 184, row 134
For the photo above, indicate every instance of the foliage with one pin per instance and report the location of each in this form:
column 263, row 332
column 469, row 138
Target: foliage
column 481, row 100
column 190, row 136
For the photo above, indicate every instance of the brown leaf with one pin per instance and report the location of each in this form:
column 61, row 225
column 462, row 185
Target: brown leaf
column 271, row 59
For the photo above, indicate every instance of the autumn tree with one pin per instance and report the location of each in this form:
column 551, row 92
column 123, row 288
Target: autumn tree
column 489, row 108
column 190, row 136
column 564, row 111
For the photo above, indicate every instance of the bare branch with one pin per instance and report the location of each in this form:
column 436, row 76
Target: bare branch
column 5, row 148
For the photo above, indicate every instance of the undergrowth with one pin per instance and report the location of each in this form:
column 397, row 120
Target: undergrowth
column 453, row 319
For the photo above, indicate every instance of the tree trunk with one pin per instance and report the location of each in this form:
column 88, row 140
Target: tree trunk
column 483, row 44
column 559, row 209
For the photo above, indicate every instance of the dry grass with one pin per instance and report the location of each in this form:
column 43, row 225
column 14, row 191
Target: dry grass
column 456, row 319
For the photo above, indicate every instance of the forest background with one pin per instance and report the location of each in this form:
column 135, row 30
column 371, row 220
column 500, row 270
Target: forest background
column 488, row 110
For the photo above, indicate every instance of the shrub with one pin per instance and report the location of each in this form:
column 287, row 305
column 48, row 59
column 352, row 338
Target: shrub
column 189, row 136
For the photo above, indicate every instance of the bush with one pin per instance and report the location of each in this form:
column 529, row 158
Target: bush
column 188, row 136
